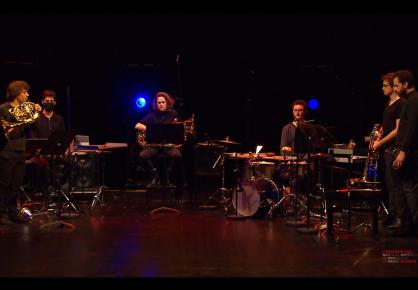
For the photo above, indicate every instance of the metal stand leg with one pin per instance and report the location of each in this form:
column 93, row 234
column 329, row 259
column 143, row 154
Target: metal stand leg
column 164, row 208
column 98, row 198
column 222, row 191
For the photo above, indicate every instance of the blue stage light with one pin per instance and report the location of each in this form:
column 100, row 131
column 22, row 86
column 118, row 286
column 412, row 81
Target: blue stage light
column 140, row 102
column 313, row 104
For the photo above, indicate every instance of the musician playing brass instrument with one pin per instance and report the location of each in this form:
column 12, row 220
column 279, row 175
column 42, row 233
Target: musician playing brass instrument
column 15, row 113
column 389, row 130
column 162, row 105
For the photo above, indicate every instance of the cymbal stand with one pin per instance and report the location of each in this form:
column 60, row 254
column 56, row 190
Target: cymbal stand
column 295, row 188
column 296, row 201
column 222, row 191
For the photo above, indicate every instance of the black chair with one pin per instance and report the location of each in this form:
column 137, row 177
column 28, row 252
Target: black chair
column 354, row 200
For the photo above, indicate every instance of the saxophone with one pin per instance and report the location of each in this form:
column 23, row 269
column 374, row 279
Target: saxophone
column 24, row 114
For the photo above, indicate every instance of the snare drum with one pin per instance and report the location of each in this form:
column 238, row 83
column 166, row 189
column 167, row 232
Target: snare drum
column 259, row 169
column 255, row 197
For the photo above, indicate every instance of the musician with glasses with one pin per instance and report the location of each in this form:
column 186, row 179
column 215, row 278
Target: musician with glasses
column 163, row 112
column 12, row 151
column 407, row 155
column 389, row 130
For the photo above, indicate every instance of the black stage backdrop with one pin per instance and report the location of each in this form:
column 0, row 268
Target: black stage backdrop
column 237, row 73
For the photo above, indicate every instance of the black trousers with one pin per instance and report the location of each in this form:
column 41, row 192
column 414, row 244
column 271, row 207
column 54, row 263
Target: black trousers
column 12, row 172
column 174, row 161
column 393, row 184
column 408, row 201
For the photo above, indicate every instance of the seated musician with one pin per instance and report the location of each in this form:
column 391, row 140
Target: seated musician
column 299, row 109
column 163, row 113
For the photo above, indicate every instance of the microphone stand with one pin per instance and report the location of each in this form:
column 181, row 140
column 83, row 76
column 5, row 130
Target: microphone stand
column 180, row 99
column 308, row 229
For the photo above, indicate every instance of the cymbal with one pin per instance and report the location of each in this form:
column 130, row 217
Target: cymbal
column 208, row 144
column 226, row 142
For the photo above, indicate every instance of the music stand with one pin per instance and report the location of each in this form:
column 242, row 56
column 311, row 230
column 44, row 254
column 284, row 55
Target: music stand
column 165, row 133
column 56, row 147
column 164, row 136
column 36, row 147
column 311, row 139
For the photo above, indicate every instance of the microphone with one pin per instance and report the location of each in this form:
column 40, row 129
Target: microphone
column 296, row 123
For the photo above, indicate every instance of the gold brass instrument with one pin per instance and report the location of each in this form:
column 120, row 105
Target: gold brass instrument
column 370, row 168
column 140, row 138
column 189, row 127
column 24, row 114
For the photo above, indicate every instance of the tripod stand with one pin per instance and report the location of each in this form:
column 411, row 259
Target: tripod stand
column 318, row 140
column 296, row 194
column 296, row 201
column 58, row 143
column 99, row 196
column 222, row 191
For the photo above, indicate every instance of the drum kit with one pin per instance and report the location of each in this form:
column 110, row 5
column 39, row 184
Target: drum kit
column 260, row 189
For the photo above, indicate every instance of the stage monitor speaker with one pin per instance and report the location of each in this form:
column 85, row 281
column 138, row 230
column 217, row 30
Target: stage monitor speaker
column 204, row 159
column 85, row 173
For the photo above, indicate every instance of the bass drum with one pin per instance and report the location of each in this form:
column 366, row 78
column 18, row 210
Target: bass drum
column 256, row 198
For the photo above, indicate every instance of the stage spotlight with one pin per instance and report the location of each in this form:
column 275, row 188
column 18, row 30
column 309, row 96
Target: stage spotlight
column 141, row 102
column 313, row 104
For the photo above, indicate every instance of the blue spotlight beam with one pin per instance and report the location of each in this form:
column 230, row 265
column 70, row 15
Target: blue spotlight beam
column 313, row 104
column 140, row 102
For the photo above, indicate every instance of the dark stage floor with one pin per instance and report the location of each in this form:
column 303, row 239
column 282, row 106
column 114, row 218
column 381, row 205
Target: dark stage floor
column 121, row 239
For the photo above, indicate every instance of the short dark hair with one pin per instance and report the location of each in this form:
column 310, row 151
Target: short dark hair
column 405, row 76
column 302, row 103
column 49, row 93
column 388, row 78
column 15, row 88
